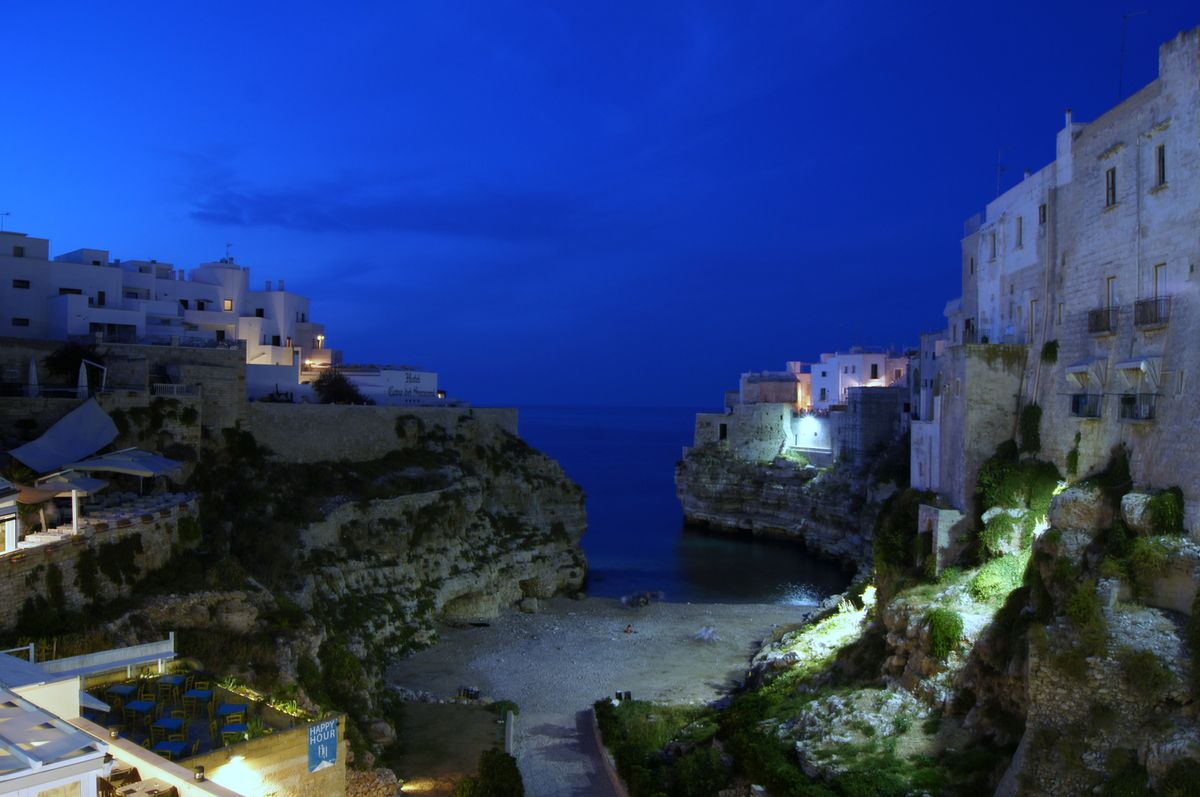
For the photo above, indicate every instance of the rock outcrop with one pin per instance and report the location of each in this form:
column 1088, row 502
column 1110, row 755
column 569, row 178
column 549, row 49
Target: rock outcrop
column 831, row 512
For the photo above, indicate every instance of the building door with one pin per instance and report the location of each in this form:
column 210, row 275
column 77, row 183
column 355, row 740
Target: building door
column 1110, row 292
column 1160, row 274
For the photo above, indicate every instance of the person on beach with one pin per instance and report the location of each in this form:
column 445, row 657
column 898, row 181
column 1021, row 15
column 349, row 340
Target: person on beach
column 629, row 629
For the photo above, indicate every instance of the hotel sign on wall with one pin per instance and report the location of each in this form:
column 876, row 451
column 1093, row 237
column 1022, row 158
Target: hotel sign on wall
column 322, row 745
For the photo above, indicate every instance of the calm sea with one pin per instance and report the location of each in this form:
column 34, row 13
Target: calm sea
column 625, row 459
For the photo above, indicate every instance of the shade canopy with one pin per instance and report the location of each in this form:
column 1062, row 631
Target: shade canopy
column 66, row 483
column 81, row 432
column 131, row 461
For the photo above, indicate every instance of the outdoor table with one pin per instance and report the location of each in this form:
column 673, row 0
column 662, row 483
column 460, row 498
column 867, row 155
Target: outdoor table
column 238, row 730
column 171, row 681
column 122, row 690
column 140, row 706
column 168, row 724
column 173, row 750
column 225, row 709
column 203, row 695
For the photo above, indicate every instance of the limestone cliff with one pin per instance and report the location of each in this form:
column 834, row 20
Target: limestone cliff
column 831, row 512
column 311, row 576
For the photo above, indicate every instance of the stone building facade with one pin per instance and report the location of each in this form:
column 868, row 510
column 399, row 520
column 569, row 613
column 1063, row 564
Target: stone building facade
column 1089, row 265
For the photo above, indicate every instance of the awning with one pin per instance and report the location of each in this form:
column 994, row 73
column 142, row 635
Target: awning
column 1141, row 372
column 81, row 432
column 1091, row 373
column 132, row 461
column 66, row 483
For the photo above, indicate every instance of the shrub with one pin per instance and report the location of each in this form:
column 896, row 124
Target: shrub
column 699, row 772
column 1166, row 511
column 1050, row 352
column 1084, row 612
column 1181, row 779
column 945, row 631
column 1030, row 426
column 996, row 533
column 501, row 707
column 996, row 579
column 334, row 387
column 1149, row 560
column 1144, row 673
column 498, row 777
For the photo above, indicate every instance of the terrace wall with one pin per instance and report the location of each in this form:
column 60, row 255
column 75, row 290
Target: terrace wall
column 321, row 432
column 27, row 573
column 276, row 764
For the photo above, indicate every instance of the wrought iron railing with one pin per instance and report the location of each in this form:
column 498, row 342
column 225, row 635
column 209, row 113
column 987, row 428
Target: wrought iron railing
column 1102, row 320
column 1152, row 312
column 1086, row 405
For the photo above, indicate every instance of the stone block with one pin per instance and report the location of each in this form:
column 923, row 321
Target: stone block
column 1081, row 508
column 1135, row 510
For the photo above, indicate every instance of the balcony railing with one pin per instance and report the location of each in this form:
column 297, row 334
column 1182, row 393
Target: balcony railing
column 1102, row 321
column 1085, row 405
column 1137, row 406
column 1152, row 312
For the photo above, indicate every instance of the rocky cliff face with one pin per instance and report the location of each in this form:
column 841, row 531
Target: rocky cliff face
column 831, row 512
column 314, row 576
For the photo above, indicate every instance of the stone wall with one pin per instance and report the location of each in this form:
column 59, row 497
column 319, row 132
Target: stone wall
column 980, row 386
column 27, row 572
column 317, row 432
column 276, row 764
column 761, row 432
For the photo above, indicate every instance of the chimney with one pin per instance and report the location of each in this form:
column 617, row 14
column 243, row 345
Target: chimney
column 1068, row 118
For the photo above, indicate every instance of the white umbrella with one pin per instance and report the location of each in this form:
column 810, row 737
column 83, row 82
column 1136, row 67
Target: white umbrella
column 32, row 388
column 82, row 391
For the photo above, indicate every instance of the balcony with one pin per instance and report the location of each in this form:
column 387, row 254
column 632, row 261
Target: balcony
column 1085, row 405
column 1102, row 321
column 1149, row 313
column 1137, row 406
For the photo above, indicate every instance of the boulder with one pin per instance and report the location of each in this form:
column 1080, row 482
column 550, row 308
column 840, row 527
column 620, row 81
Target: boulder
column 381, row 732
column 528, row 605
column 1135, row 510
column 1081, row 508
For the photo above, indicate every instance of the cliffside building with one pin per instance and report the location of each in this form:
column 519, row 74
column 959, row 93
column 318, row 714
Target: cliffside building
column 1079, row 295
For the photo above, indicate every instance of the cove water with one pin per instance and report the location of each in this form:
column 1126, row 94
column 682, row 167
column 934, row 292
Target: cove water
column 625, row 459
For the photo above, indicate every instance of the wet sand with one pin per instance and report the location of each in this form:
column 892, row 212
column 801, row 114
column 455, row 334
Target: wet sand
column 554, row 664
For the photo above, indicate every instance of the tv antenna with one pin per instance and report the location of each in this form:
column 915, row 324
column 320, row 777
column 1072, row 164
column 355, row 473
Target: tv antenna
column 228, row 246
column 1124, row 29
column 2, row 215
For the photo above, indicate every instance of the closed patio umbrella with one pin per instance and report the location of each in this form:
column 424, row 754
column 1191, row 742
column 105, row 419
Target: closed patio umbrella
column 81, row 392
column 32, row 389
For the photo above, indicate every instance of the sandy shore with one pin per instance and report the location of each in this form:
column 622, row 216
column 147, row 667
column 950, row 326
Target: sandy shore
column 557, row 662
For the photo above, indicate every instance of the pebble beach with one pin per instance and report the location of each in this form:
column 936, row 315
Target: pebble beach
column 556, row 662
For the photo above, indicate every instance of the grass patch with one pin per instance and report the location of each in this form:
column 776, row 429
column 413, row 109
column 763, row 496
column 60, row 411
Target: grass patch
column 945, row 632
column 997, row 578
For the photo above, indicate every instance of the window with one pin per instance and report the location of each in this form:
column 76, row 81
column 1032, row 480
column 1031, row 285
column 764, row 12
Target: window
column 220, row 335
column 100, row 298
column 1160, row 162
column 258, row 311
column 823, row 394
column 1060, row 312
column 1110, row 292
column 184, row 304
column 993, row 255
column 18, row 251
column 1160, row 277
column 23, row 284
column 1042, row 213
column 854, row 369
column 20, row 322
column 69, row 292
column 896, row 374
column 874, row 370
column 972, row 265
column 131, row 294
column 824, row 373
column 274, row 340
column 201, row 304
column 228, row 305
column 1110, row 187
column 1020, row 232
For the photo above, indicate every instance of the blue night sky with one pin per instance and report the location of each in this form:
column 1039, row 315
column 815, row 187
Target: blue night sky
column 606, row 203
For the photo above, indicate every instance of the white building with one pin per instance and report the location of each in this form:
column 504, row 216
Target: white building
column 837, row 372
column 84, row 294
column 395, row 384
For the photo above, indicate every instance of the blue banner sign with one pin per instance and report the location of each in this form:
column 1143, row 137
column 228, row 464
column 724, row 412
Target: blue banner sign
column 322, row 745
